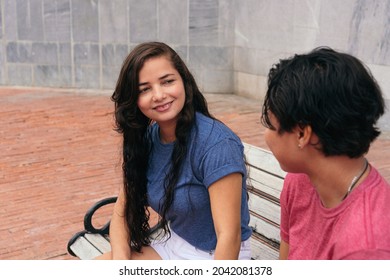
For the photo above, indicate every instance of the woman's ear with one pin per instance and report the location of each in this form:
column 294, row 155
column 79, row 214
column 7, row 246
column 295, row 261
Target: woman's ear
column 303, row 135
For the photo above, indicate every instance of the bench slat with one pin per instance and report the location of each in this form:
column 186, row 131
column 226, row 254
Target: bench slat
column 99, row 242
column 264, row 228
column 261, row 250
column 264, row 208
column 84, row 249
column 265, row 182
column 263, row 159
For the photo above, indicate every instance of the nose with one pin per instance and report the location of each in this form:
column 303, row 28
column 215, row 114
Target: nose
column 158, row 94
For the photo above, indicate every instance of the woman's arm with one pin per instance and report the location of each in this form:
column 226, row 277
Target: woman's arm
column 118, row 230
column 225, row 198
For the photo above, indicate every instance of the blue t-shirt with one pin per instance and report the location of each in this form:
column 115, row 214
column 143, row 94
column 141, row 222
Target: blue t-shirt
column 214, row 152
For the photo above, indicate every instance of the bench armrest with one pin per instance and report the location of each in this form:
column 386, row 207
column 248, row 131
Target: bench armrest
column 88, row 226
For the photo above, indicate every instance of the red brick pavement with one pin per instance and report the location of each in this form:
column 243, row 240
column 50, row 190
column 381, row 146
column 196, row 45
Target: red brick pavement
column 59, row 155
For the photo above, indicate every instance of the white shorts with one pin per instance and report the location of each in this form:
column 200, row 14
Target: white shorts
column 176, row 248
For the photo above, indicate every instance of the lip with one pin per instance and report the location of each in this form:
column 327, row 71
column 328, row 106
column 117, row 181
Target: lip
column 164, row 107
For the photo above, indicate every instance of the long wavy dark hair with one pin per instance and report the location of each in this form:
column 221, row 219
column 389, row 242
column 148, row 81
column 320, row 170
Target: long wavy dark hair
column 133, row 124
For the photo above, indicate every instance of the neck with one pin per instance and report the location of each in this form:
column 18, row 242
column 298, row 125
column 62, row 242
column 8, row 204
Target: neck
column 356, row 179
column 167, row 139
column 336, row 177
column 167, row 133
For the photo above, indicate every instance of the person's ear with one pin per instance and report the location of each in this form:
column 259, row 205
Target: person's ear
column 303, row 135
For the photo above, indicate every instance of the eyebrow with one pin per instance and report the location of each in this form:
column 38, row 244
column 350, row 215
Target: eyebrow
column 161, row 78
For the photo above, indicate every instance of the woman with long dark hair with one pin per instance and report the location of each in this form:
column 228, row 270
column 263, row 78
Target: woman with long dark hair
column 180, row 161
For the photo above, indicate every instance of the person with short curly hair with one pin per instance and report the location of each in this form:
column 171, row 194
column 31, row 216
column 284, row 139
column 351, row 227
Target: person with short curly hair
column 320, row 111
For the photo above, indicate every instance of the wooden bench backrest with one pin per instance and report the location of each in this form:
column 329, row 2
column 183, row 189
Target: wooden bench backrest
column 265, row 182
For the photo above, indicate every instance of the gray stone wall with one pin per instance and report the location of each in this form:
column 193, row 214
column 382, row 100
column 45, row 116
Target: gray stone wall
column 228, row 44
column 82, row 43
column 269, row 30
column 266, row 31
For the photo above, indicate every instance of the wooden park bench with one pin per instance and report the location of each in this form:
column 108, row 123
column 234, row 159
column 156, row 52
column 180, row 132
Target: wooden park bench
column 265, row 183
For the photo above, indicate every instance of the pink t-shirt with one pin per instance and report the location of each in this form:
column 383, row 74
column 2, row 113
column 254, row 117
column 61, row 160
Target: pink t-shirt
column 358, row 228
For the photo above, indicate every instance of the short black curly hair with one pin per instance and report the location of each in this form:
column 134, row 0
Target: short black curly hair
column 333, row 92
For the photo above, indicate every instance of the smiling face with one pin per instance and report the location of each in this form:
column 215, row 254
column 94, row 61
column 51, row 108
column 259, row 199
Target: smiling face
column 161, row 91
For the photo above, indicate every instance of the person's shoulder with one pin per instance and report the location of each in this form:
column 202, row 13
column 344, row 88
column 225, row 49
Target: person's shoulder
column 295, row 183
column 297, row 191
column 203, row 120
column 375, row 178
column 376, row 190
column 208, row 127
column 297, row 178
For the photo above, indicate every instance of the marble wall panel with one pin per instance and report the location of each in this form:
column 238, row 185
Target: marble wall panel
column 173, row 21
column 263, row 24
column 382, row 75
column 203, row 22
column 334, row 23
column 29, row 20
column 19, row 52
column 1, row 20
column 65, row 76
column 10, row 31
column 64, row 54
column 114, row 21
column 183, row 52
column 85, row 21
column 384, row 121
column 86, row 54
column 218, row 81
column 20, row 75
column 110, row 76
column 219, row 58
column 249, row 85
column 2, row 66
column 56, row 19
column 226, row 20
column 46, row 75
column 87, row 76
column 44, row 53
column 143, row 20
column 369, row 36
column 114, row 55
column 255, row 61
